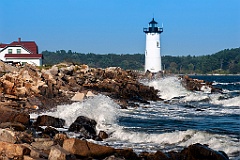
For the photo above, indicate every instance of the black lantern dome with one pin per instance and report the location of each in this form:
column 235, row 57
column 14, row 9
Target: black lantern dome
column 153, row 28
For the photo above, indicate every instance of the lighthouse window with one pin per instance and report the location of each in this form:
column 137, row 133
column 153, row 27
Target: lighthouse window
column 158, row 44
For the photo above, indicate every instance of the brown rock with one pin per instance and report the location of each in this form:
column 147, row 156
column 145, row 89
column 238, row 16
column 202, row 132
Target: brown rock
column 7, row 135
column 160, row 156
column 12, row 115
column 46, row 120
column 102, row 135
column 24, row 137
column 14, row 125
column 43, row 145
column 87, row 149
column 58, row 153
column 13, row 150
column 78, row 97
column 201, row 152
column 59, row 138
column 127, row 154
column 7, row 86
column 35, row 153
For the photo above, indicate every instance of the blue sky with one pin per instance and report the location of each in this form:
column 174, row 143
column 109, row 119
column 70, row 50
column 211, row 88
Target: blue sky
column 191, row 27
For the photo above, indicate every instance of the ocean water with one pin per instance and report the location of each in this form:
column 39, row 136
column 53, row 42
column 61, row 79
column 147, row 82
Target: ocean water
column 182, row 119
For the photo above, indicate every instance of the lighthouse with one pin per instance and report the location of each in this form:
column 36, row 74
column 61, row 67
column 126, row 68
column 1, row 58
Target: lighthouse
column 152, row 53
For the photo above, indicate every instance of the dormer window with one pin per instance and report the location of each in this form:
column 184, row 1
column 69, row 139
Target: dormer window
column 9, row 51
column 18, row 51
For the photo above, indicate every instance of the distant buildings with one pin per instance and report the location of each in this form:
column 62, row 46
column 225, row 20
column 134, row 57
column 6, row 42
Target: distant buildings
column 22, row 52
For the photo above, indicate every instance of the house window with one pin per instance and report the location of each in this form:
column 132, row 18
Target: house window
column 9, row 51
column 18, row 51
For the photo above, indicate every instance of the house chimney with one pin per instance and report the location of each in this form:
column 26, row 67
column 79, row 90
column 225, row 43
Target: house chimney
column 19, row 40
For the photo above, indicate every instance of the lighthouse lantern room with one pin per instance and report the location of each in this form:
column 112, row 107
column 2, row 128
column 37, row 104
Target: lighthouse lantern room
column 152, row 52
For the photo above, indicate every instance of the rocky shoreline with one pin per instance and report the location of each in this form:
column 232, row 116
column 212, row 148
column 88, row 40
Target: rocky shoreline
column 33, row 90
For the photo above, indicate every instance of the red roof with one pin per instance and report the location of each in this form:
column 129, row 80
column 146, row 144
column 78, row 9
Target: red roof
column 29, row 45
column 3, row 45
column 30, row 56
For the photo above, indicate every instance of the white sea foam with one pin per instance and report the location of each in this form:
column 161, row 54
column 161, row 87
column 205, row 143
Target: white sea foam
column 169, row 87
column 168, row 140
column 225, row 84
column 100, row 108
column 235, row 101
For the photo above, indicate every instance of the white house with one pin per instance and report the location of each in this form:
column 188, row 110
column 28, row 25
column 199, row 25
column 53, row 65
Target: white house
column 21, row 51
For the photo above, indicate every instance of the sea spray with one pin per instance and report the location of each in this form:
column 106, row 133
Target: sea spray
column 100, row 108
column 169, row 87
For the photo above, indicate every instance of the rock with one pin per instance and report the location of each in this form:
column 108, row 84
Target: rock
column 59, row 138
column 32, row 158
column 43, row 145
column 46, row 120
column 90, row 94
column 24, row 137
column 198, row 85
column 113, row 157
column 127, row 154
column 7, row 135
column 50, row 131
column 201, row 152
column 14, row 125
column 102, row 135
column 34, row 102
column 54, row 70
column 4, row 67
column 37, row 154
column 160, row 156
column 78, row 97
column 11, row 115
column 8, row 87
column 13, row 150
column 67, row 70
column 84, row 149
column 85, row 126
column 58, row 153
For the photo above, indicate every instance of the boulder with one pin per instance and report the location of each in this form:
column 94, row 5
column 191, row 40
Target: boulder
column 43, row 145
column 59, row 138
column 198, row 85
column 78, row 97
column 11, row 115
column 58, row 153
column 54, row 70
column 113, row 157
column 8, row 87
column 202, row 152
column 85, row 126
column 16, row 151
column 127, row 154
column 46, row 120
column 102, row 135
column 83, row 148
column 50, row 131
column 7, row 135
column 14, row 125
column 35, row 153
column 90, row 94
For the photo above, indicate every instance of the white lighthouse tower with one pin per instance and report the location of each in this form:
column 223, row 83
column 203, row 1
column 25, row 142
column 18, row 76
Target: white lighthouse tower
column 152, row 54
